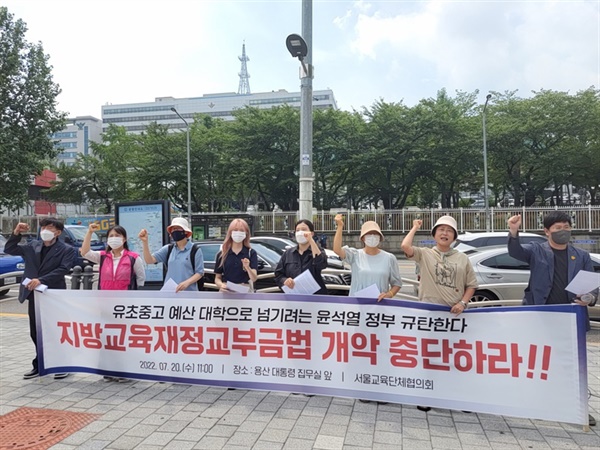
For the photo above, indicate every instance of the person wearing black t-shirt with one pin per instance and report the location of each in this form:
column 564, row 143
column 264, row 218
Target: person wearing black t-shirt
column 236, row 262
column 306, row 256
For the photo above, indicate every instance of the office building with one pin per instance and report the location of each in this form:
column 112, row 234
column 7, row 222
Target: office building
column 135, row 117
column 76, row 137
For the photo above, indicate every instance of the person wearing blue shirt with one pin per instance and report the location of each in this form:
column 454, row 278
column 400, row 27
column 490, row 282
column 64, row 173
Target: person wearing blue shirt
column 179, row 264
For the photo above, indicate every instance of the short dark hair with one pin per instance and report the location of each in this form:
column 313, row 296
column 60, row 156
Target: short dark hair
column 556, row 217
column 50, row 222
column 306, row 222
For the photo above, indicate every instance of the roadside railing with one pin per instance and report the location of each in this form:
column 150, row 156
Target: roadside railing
column 468, row 219
column 586, row 218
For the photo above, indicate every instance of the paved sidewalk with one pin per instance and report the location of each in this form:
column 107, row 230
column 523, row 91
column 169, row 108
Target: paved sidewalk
column 147, row 415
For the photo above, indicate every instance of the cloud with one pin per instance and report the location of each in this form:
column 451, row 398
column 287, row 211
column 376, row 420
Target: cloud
column 492, row 46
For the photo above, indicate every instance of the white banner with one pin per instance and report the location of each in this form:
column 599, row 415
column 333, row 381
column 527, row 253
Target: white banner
column 519, row 361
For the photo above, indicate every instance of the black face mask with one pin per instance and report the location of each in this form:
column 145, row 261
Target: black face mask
column 178, row 235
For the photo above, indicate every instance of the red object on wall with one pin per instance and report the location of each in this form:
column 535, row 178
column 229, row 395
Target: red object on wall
column 43, row 207
column 45, row 179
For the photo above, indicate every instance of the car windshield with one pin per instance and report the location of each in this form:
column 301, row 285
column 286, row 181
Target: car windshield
column 270, row 253
column 280, row 243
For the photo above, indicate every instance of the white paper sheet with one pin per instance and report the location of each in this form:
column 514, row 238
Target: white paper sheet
column 235, row 287
column 304, row 283
column 169, row 286
column 40, row 288
column 368, row 292
column 584, row 282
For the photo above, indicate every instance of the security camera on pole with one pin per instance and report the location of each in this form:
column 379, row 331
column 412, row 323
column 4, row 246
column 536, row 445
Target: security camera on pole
column 302, row 49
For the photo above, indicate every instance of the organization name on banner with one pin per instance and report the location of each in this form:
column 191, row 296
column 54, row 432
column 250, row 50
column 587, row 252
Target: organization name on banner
column 520, row 361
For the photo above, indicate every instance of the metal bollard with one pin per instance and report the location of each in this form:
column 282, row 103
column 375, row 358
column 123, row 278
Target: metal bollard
column 76, row 278
column 88, row 277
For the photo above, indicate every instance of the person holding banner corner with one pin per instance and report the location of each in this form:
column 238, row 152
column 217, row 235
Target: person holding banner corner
column 47, row 261
column 553, row 264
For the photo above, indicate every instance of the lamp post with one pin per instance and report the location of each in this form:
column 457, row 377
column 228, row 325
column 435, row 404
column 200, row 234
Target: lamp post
column 485, row 169
column 301, row 48
column 189, row 174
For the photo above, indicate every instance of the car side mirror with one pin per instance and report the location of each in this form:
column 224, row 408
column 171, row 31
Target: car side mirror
column 261, row 265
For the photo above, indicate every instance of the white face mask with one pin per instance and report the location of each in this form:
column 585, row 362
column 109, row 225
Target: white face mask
column 300, row 239
column 115, row 242
column 238, row 236
column 46, row 235
column 372, row 240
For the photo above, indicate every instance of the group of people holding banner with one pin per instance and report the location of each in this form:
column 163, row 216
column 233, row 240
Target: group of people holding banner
column 447, row 277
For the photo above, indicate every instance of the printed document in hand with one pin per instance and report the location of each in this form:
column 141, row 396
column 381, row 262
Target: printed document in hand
column 169, row 286
column 584, row 282
column 303, row 284
column 40, row 288
column 236, row 287
column 368, row 292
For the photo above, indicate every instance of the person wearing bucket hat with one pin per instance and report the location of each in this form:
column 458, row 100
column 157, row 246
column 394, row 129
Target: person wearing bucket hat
column 177, row 256
column 370, row 265
column 447, row 276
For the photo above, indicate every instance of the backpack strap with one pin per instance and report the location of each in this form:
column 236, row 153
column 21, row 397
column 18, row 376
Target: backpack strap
column 102, row 259
column 195, row 248
column 133, row 278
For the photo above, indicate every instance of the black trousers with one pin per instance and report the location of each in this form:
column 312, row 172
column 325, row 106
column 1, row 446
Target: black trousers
column 32, row 327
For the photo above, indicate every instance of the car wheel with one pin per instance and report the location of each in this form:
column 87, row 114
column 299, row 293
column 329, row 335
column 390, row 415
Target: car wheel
column 483, row 296
column 4, row 292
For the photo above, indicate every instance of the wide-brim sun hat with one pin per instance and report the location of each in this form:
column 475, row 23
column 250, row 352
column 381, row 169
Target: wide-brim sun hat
column 369, row 226
column 446, row 220
column 179, row 222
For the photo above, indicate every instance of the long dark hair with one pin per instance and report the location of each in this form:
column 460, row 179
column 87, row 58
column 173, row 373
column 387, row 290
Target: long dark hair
column 121, row 232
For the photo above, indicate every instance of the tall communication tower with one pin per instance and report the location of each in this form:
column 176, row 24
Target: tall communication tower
column 244, row 87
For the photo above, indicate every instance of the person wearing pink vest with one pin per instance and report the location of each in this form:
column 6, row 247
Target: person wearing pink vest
column 120, row 269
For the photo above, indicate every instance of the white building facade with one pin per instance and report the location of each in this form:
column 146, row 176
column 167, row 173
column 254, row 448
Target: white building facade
column 135, row 117
column 76, row 137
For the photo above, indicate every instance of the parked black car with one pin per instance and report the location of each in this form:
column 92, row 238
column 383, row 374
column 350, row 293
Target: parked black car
column 338, row 281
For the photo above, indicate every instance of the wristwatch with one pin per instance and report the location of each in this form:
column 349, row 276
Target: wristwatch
column 465, row 304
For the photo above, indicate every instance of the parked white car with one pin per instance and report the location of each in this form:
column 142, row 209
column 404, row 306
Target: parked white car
column 333, row 260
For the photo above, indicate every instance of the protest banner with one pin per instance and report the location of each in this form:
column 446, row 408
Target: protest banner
column 519, row 361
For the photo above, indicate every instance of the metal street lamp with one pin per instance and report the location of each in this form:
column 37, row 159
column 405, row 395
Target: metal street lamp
column 189, row 173
column 485, row 169
column 301, row 48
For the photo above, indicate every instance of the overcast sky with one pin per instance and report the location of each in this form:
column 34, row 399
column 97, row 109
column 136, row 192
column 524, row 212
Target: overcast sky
column 127, row 51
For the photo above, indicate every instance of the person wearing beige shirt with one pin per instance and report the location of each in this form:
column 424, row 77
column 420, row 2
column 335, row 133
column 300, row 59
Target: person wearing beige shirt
column 447, row 276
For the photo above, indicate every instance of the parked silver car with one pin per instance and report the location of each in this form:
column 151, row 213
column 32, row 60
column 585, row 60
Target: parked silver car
column 470, row 241
column 502, row 277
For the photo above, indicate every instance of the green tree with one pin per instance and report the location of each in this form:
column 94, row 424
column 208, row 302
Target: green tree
column 337, row 135
column 266, row 146
column 28, row 114
column 102, row 178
